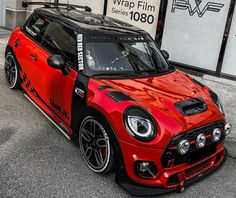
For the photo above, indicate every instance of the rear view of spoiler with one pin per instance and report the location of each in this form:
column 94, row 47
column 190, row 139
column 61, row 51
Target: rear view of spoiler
column 25, row 4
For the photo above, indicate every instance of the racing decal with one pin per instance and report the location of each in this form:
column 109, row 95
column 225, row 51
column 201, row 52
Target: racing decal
column 80, row 52
column 186, row 5
column 59, row 109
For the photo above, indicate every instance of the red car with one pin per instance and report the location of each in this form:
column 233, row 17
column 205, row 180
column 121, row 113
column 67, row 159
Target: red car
column 107, row 86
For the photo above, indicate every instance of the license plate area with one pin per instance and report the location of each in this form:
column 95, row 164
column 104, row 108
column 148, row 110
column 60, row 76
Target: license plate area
column 199, row 154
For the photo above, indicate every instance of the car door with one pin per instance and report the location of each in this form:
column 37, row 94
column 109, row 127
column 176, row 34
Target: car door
column 49, row 85
column 53, row 87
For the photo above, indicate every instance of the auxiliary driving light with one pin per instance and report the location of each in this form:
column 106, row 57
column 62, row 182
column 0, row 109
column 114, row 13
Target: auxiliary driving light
column 216, row 135
column 146, row 169
column 201, row 141
column 228, row 128
column 183, row 147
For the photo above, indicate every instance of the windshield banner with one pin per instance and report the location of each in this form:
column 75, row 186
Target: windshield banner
column 143, row 14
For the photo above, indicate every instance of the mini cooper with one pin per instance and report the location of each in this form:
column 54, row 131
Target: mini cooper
column 107, row 87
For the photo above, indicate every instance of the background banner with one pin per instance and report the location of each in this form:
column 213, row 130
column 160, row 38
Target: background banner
column 143, row 14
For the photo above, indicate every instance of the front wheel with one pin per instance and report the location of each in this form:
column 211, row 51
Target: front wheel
column 95, row 146
column 11, row 71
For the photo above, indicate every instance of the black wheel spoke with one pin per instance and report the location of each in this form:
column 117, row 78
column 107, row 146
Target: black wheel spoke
column 93, row 129
column 85, row 135
column 13, row 70
column 7, row 76
column 88, row 152
column 7, row 65
column 101, row 143
column 98, row 157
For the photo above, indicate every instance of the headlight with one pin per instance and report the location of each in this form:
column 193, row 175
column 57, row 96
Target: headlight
column 216, row 100
column 140, row 124
column 183, row 147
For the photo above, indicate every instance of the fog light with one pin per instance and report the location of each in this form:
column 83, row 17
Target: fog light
column 146, row 169
column 201, row 141
column 216, row 135
column 183, row 147
column 228, row 128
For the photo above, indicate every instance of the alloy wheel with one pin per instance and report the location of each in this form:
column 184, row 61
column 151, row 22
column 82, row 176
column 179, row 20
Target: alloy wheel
column 94, row 144
column 10, row 70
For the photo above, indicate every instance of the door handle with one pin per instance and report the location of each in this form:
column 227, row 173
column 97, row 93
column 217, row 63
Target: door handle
column 33, row 57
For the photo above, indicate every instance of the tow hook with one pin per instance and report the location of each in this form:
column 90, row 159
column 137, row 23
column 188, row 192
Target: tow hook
column 181, row 187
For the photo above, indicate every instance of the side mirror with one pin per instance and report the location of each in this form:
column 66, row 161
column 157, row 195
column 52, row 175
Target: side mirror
column 165, row 54
column 58, row 62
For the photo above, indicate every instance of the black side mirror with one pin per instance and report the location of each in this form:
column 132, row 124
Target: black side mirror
column 58, row 62
column 165, row 54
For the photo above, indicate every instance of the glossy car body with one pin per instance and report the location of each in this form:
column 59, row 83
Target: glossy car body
column 66, row 98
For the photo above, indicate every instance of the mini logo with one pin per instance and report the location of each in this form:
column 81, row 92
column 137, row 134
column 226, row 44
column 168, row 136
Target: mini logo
column 186, row 5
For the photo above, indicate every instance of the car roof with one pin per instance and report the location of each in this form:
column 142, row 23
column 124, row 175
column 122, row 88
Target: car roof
column 88, row 22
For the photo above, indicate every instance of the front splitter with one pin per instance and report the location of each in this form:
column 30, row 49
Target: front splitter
column 137, row 189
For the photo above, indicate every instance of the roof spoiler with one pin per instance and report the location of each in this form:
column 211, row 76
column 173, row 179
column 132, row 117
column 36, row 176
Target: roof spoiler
column 25, row 4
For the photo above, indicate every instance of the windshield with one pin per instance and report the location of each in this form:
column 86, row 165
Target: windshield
column 123, row 56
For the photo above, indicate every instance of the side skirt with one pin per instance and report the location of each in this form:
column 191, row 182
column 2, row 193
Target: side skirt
column 48, row 117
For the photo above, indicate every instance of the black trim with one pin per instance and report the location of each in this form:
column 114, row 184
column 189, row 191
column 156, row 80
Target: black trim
column 103, row 87
column 118, row 96
column 225, row 37
column 78, row 103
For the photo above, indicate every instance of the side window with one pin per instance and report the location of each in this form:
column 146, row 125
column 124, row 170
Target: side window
column 60, row 39
column 36, row 27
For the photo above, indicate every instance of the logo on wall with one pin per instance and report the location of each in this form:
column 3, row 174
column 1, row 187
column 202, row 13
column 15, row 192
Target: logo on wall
column 186, row 5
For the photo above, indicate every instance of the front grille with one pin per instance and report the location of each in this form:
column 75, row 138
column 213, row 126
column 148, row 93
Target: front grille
column 197, row 169
column 171, row 157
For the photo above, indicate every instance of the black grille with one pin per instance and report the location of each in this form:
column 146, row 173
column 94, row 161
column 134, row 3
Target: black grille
column 171, row 153
column 191, row 106
column 118, row 96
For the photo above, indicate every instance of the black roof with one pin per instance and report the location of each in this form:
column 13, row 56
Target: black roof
column 87, row 22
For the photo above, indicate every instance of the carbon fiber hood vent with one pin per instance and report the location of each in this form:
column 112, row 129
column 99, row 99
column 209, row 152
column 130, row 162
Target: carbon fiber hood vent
column 118, row 96
column 191, row 106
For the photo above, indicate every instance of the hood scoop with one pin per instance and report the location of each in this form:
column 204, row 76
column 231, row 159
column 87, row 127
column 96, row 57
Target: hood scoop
column 191, row 106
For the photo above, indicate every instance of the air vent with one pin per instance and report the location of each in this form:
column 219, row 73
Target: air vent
column 118, row 96
column 103, row 87
column 191, row 106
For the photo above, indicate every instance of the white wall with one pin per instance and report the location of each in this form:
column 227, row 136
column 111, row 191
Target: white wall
column 195, row 40
column 2, row 12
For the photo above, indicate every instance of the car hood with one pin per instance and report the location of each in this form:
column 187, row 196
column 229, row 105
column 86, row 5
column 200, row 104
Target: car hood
column 158, row 95
column 156, row 91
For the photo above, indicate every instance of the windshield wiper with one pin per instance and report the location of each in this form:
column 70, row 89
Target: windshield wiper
column 119, row 74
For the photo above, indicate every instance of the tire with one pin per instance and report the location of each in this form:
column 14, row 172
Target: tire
column 11, row 71
column 95, row 145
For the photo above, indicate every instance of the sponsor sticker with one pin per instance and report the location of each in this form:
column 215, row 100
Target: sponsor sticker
column 80, row 52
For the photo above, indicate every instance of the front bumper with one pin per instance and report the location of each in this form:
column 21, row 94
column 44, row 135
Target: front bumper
column 186, row 174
